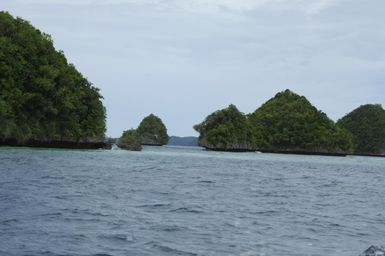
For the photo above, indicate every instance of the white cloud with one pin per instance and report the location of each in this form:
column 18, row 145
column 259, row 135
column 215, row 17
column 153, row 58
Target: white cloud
column 310, row 7
column 183, row 59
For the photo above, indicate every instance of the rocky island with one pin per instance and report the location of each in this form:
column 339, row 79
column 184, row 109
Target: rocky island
column 151, row 132
column 226, row 130
column 130, row 140
column 44, row 100
column 287, row 123
column 367, row 126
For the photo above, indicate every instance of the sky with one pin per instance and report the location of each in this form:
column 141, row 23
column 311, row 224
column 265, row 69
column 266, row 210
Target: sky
column 183, row 59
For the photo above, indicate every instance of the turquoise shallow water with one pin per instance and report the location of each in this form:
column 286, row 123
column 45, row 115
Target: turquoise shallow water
column 186, row 201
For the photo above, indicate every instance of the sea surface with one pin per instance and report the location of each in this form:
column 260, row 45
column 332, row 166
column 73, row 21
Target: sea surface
column 187, row 201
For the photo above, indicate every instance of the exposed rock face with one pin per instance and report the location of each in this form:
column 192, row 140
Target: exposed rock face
column 374, row 251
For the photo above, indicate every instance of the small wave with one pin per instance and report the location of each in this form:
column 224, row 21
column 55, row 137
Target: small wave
column 51, row 214
column 52, row 177
column 153, row 206
column 170, row 228
column 206, row 181
column 46, row 253
column 267, row 212
column 333, row 183
column 9, row 221
column 118, row 237
column 170, row 250
column 186, row 209
column 88, row 212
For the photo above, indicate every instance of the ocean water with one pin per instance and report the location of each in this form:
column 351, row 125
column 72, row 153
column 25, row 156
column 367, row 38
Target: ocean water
column 187, row 201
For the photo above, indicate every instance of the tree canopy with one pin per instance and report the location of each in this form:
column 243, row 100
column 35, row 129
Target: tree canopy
column 367, row 125
column 226, row 129
column 290, row 122
column 152, row 131
column 286, row 123
column 130, row 140
column 42, row 96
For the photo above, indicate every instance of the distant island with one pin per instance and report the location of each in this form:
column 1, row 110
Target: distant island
column 289, row 123
column 44, row 100
column 151, row 132
column 226, row 130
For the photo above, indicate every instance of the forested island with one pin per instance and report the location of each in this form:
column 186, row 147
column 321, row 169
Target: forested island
column 130, row 140
column 367, row 126
column 226, row 130
column 151, row 132
column 289, row 123
column 44, row 100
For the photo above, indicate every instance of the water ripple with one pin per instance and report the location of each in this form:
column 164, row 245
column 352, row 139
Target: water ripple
column 166, row 201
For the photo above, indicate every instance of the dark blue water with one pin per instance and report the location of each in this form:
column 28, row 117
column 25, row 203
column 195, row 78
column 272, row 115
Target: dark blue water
column 170, row 201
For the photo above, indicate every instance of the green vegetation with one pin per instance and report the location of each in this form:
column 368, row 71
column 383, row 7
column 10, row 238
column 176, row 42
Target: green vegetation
column 289, row 122
column 42, row 96
column 130, row 140
column 152, row 131
column 367, row 125
column 285, row 123
column 226, row 129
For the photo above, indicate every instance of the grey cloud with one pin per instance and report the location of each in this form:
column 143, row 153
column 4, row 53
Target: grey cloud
column 182, row 60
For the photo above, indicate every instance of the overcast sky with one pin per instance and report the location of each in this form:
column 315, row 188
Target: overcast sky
column 183, row 59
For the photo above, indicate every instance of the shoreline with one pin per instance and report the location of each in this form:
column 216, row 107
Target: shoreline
column 288, row 152
column 56, row 144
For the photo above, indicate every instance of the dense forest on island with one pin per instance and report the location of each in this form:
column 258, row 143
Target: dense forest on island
column 151, row 131
column 286, row 123
column 367, row 125
column 226, row 129
column 42, row 96
column 289, row 122
column 130, row 140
